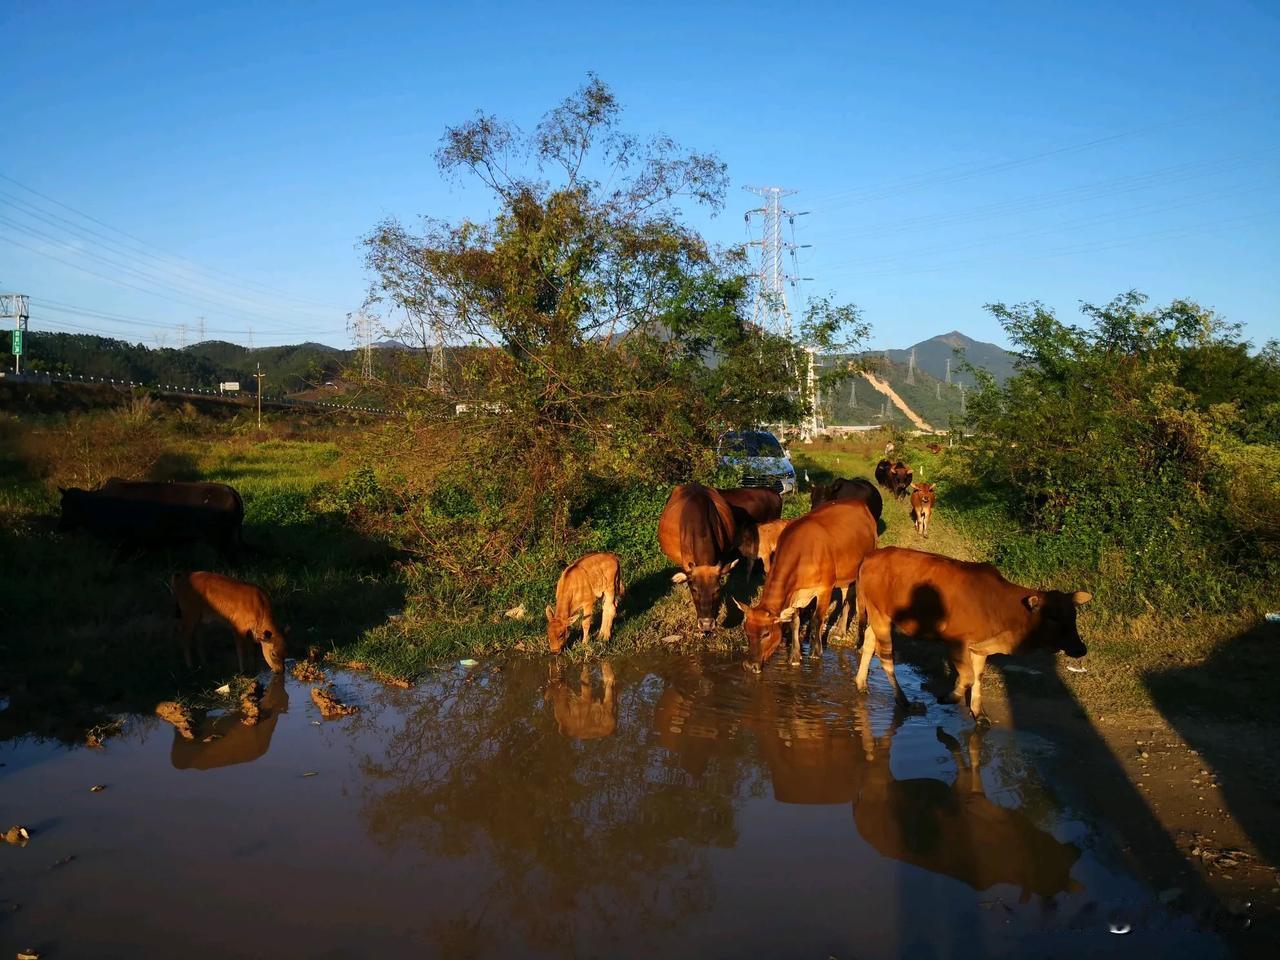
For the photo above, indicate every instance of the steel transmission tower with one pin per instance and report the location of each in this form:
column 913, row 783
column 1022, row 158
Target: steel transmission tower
column 911, row 370
column 771, row 311
column 364, row 344
column 16, row 307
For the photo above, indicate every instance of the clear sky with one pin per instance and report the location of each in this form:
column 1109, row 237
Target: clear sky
column 232, row 154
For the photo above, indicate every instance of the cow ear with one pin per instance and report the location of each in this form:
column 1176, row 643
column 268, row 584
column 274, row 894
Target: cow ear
column 1031, row 602
column 549, row 612
column 680, row 577
column 1081, row 597
column 577, row 616
column 786, row 615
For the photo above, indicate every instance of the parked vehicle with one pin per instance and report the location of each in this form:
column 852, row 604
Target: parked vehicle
column 762, row 459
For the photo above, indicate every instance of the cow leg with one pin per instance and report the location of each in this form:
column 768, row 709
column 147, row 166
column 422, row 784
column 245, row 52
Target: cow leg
column 978, row 663
column 817, row 638
column 846, row 604
column 884, row 650
column 794, row 657
column 608, row 610
column 588, row 609
column 960, row 659
column 870, row 640
column 241, row 642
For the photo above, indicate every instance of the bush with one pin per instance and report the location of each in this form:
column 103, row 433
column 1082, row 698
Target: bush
column 1113, row 474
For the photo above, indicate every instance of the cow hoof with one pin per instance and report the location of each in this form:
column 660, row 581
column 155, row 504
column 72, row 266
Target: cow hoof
column 982, row 721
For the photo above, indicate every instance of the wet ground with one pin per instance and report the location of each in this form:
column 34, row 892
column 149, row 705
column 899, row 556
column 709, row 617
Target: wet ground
column 662, row 806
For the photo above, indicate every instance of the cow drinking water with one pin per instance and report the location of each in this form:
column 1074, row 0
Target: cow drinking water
column 698, row 534
column 597, row 576
column 203, row 597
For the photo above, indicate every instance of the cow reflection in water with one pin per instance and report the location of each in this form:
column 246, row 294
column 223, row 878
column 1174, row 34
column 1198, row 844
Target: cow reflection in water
column 224, row 741
column 823, row 752
column 578, row 713
column 955, row 830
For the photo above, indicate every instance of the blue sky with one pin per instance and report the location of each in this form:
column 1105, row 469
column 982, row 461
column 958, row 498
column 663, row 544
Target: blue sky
column 232, row 154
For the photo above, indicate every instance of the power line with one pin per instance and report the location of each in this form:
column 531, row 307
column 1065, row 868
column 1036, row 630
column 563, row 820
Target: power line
column 137, row 240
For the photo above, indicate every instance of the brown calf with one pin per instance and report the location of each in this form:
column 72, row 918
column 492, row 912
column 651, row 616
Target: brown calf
column 204, row 597
column 922, row 501
column 767, row 535
column 816, row 555
column 595, row 576
column 968, row 606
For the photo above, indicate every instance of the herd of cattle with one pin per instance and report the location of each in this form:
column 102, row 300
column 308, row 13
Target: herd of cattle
column 829, row 554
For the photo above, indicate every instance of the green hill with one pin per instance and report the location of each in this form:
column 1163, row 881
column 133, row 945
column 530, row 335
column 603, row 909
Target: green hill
column 290, row 368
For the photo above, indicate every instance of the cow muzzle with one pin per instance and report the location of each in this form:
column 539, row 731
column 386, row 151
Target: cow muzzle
column 706, row 624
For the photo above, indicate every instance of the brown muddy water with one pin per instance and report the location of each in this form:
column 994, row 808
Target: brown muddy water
column 687, row 809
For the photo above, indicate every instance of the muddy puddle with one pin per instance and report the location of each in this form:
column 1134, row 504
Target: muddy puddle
column 671, row 806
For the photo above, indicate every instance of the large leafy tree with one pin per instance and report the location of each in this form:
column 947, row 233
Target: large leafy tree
column 594, row 335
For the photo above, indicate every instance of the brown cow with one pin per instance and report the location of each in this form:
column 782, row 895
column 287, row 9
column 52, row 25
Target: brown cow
column 697, row 533
column 767, row 535
column 578, row 714
column 817, row 554
column 968, row 606
column 587, row 579
column 751, row 506
column 934, row 448
column 922, row 501
column 204, row 597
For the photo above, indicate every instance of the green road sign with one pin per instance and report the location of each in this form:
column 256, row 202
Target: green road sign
column 17, row 343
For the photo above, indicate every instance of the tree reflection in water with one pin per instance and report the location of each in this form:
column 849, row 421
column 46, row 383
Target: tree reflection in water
column 584, row 840
column 591, row 811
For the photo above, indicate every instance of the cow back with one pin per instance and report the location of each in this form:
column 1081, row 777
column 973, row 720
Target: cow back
column 696, row 527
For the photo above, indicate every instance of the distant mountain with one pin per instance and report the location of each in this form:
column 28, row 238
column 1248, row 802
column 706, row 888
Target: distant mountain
column 932, row 356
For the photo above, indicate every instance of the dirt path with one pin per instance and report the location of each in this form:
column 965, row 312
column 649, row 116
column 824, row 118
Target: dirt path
column 898, row 402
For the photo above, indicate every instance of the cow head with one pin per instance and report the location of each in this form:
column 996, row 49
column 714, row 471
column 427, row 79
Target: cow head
column 74, row 501
column 819, row 493
column 704, row 588
column 1051, row 623
column 272, row 641
column 764, row 632
column 558, row 628
column 925, row 490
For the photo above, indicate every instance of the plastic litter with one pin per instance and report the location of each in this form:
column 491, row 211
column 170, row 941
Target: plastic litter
column 1075, row 669
column 469, row 663
column 1273, row 617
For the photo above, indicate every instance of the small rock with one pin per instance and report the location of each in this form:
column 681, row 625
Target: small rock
column 249, row 711
column 224, row 690
column 308, row 672
column 18, row 835
column 28, row 955
column 1145, row 755
column 97, row 788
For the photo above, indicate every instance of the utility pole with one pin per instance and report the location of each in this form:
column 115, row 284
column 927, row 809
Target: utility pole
column 258, row 376
column 201, row 323
column 911, row 370
column 16, row 306
column 182, row 336
column 948, row 371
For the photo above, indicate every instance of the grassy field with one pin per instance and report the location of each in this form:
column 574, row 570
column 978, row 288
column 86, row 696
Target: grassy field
column 96, row 633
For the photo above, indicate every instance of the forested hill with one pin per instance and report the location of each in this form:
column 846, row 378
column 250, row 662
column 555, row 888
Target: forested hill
column 932, row 356
column 288, row 368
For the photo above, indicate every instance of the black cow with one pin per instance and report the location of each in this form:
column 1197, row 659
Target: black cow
column 855, row 488
column 884, row 471
column 158, row 513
